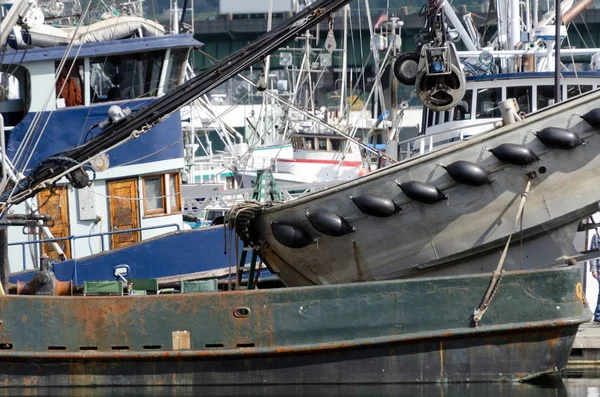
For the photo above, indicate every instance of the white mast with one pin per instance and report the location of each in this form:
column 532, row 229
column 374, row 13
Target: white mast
column 344, row 62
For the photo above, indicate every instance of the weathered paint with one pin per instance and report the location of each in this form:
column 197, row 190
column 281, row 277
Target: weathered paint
column 465, row 234
column 382, row 332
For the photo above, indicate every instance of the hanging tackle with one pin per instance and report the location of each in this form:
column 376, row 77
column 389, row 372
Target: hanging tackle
column 434, row 68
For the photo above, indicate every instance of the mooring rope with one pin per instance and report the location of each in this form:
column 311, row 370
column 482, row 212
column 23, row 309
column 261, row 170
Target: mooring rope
column 499, row 272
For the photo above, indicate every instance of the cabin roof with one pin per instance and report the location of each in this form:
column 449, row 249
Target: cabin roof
column 112, row 47
column 317, row 135
column 532, row 75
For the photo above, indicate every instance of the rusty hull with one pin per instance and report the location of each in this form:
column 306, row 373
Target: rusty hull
column 416, row 330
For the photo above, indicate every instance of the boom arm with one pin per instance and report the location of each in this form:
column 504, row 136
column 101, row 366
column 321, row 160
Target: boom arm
column 68, row 162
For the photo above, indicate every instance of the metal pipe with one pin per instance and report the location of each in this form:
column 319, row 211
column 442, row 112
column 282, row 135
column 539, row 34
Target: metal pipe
column 318, row 120
column 458, row 26
column 269, row 27
column 18, row 9
column 537, row 53
column 344, row 62
column 575, row 10
column 3, row 152
column 557, row 24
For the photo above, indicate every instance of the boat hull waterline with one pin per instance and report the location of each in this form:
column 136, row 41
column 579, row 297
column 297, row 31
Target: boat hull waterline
column 417, row 330
column 465, row 231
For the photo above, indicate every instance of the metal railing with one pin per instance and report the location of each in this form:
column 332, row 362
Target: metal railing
column 74, row 238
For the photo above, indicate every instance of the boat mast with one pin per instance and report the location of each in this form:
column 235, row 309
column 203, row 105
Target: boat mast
column 344, row 63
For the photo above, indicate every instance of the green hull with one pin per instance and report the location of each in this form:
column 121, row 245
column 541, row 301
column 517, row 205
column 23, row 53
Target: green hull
column 416, row 330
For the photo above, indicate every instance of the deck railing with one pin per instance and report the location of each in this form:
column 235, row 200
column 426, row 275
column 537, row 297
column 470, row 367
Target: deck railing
column 23, row 244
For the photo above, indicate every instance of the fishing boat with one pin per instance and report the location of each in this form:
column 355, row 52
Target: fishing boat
column 401, row 331
column 129, row 208
column 450, row 209
column 420, row 330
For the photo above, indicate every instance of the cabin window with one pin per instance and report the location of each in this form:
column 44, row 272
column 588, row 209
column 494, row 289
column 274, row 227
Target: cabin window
column 545, row 96
column 69, row 86
column 487, row 103
column 523, row 95
column 154, row 196
column 162, row 194
column 336, row 145
column 574, row 90
column 462, row 110
column 430, row 117
column 174, row 192
column 300, row 142
column 176, row 68
column 127, row 76
column 322, row 142
column 14, row 93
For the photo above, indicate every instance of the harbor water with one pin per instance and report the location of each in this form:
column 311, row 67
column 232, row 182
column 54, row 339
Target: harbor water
column 571, row 383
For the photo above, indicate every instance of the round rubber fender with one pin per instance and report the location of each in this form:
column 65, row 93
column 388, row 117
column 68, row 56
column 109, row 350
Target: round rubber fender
column 406, row 67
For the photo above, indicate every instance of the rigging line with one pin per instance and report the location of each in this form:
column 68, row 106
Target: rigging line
column 579, row 33
column 279, row 118
column 34, row 124
column 376, row 61
column 377, row 78
column 136, row 198
column 31, row 131
column 362, row 55
column 213, row 60
column 574, row 68
column 149, row 155
column 312, row 90
column 336, row 130
column 199, row 85
column 349, row 105
column 61, row 66
column 588, row 29
column 12, row 198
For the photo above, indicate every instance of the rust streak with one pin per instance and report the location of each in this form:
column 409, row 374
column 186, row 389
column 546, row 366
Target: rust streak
column 441, row 360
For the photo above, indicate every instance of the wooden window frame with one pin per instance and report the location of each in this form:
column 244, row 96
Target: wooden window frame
column 160, row 211
column 177, row 198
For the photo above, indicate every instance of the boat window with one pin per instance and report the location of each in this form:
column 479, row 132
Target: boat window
column 69, row 86
column 14, row 93
column 462, row 110
column 127, row 76
column 430, row 117
column 174, row 192
column 336, row 145
column 574, row 90
column 300, row 142
column 154, row 200
column 213, row 214
column 176, row 68
column 322, row 142
column 545, row 96
column 487, row 103
column 523, row 95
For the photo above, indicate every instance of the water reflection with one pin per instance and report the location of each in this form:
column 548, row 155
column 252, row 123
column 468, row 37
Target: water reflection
column 583, row 383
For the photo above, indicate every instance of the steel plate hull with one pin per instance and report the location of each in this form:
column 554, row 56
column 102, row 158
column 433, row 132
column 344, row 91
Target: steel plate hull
column 417, row 330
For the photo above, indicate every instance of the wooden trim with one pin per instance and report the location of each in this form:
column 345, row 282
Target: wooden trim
column 177, row 198
column 154, row 212
column 62, row 227
column 111, row 186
